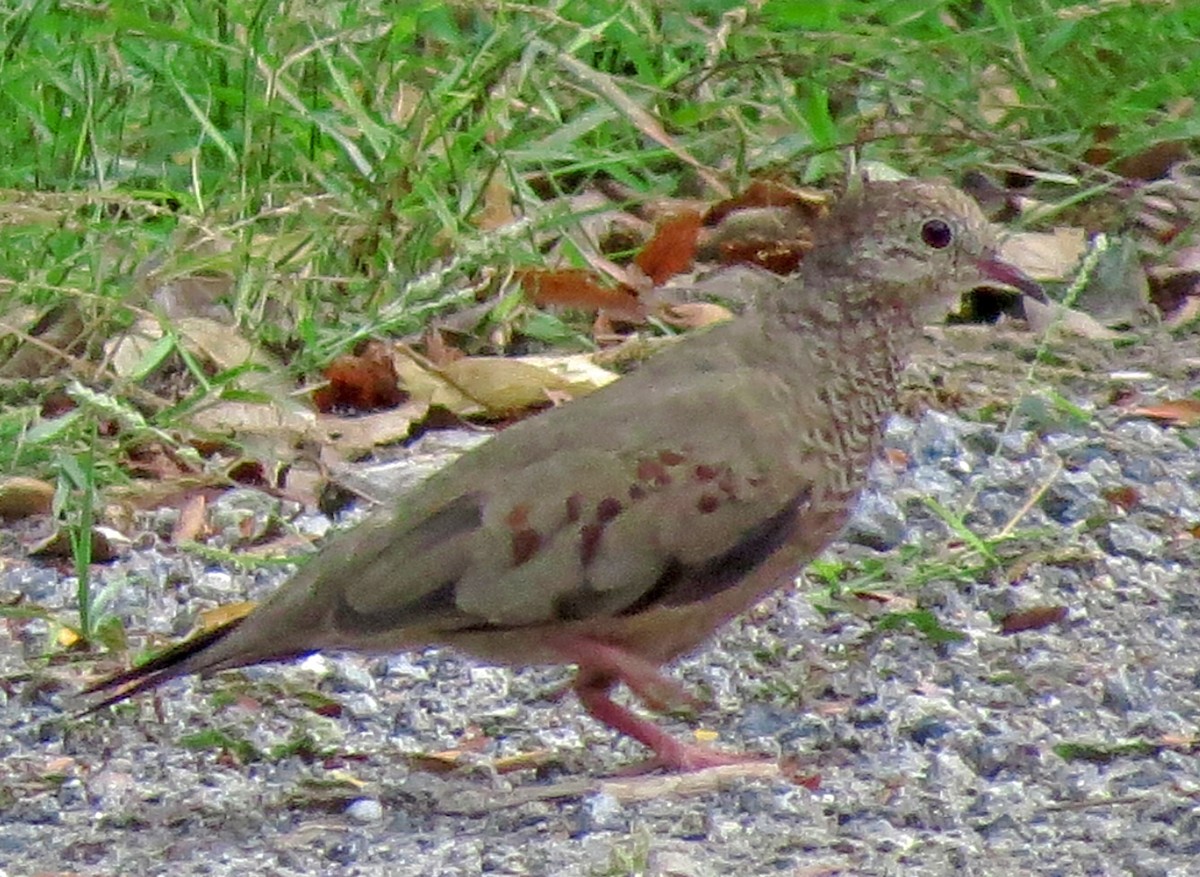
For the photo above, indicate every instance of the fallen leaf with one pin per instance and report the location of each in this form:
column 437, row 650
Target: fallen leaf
column 105, row 544
column 504, row 385
column 190, row 525
column 156, row 460
column 579, row 288
column 437, row 350
column 1032, row 619
column 1124, row 497
column 1046, row 255
column 497, row 210
column 768, row 193
column 1173, row 412
column 22, row 497
column 779, row 257
column 361, row 382
column 1154, row 162
column 695, row 314
column 672, row 250
column 211, row 619
column 352, row 436
column 1044, row 317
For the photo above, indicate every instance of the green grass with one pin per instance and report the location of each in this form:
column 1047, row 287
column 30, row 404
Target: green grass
column 327, row 165
column 332, row 158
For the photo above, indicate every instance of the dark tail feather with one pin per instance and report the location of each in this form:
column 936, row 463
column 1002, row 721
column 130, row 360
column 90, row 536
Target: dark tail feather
column 178, row 660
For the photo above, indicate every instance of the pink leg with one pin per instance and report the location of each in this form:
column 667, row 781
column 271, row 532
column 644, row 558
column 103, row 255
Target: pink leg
column 669, row 753
column 601, row 666
column 658, row 692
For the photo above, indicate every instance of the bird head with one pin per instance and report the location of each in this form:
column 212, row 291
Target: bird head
column 915, row 246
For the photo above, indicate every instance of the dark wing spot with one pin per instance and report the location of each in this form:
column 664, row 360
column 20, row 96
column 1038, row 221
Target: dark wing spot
column 727, row 485
column 525, row 544
column 589, row 542
column 670, row 458
column 636, row 492
column 705, row 473
column 574, row 507
column 607, row 509
column 654, row 472
column 707, row 504
column 680, row 584
column 518, row 517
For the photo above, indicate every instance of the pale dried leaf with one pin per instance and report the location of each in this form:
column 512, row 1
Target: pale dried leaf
column 504, row 385
column 353, row 436
column 21, row 497
column 1043, row 317
column 695, row 314
column 1052, row 255
column 191, row 524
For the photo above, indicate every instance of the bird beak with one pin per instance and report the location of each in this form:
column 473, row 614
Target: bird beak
column 994, row 268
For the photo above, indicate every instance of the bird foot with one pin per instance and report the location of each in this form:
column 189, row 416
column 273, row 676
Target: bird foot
column 680, row 757
column 592, row 688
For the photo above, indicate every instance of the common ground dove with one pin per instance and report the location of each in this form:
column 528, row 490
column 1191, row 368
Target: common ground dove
column 619, row 531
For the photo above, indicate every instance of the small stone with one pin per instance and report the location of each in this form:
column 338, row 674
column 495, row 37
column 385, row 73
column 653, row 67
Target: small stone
column 351, row 675
column 878, row 523
column 365, row 811
column 675, row 863
column 215, row 585
column 1133, row 541
column 601, row 812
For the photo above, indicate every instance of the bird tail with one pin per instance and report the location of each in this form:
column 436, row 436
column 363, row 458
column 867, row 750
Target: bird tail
column 199, row 654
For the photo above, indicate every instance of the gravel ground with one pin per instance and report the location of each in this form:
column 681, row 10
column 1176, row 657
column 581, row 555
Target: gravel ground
column 1062, row 750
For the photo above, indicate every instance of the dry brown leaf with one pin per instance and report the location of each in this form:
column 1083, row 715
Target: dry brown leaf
column 779, row 257
column 361, row 382
column 769, row 193
column 1173, row 412
column 578, row 288
column 672, row 250
column 1032, row 619
column 22, row 497
column 156, row 460
column 283, row 422
column 1154, row 162
column 1124, row 497
column 437, row 350
column 105, row 545
column 1186, row 312
column 44, row 342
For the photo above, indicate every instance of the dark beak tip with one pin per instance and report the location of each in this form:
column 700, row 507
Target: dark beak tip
column 1010, row 275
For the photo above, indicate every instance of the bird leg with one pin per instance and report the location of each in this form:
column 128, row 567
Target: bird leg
column 601, row 667
column 658, row 692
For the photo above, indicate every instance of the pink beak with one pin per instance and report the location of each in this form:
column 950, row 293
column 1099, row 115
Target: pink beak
column 1005, row 274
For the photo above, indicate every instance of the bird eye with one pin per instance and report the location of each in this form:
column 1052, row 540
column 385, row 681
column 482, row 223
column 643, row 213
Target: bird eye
column 936, row 234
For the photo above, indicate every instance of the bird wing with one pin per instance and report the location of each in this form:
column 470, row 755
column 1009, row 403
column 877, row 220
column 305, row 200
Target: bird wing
column 667, row 491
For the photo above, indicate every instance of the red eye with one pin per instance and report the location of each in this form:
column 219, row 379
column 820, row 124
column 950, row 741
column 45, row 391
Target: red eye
column 936, row 234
